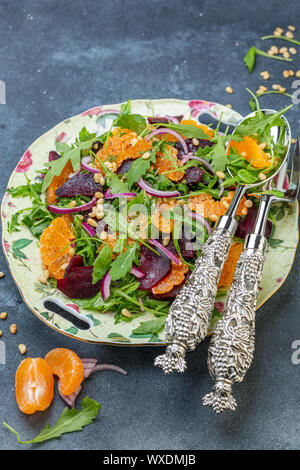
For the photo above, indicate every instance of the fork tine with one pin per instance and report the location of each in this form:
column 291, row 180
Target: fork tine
column 295, row 170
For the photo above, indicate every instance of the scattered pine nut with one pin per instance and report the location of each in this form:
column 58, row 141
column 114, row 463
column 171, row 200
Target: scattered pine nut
column 248, row 203
column 276, row 86
column 259, row 91
column 286, row 73
column 229, row 90
column 293, row 142
column 220, row 174
column 293, row 50
column 298, row 73
column 276, row 33
column 13, row 329
column 126, row 313
column 0, row 332
column 22, row 348
column 265, row 75
column 92, row 222
column 286, row 55
column 292, row 73
column 262, row 176
column 291, row 28
column 282, row 89
column 3, row 315
column 229, row 106
column 2, row 274
column 283, row 49
column 289, row 35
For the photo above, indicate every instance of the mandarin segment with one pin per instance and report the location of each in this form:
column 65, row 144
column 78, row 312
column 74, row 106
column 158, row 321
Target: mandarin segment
column 164, row 165
column 34, row 385
column 58, row 181
column 207, row 130
column 205, row 205
column 67, row 366
column 175, row 277
column 250, row 149
column 227, row 273
column 57, row 267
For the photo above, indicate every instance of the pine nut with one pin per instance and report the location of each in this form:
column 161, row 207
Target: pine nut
column 101, row 180
column 46, row 273
column 3, row 315
column 220, row 175
column 22, row 348
column 283, row 49
column 244, row 211
column 286, row 73
column 276, row 33
column 293, row 142
column 282, row 89
column 298, row 73
column 126, row 313
column 80, row 216
column 229, row 106
column 213, row 218
column 146, row 155
column 293, row 50
column 286, row 55
column 42, row 279
column 195, row 142
column 229, row 90
column 289, row 35
column 248, row 203
column 243, row 154
column 98, row 195
column 103, row 235
column 262, row 176
column 0, row 332
column 72, row 203
column 292, row 73
column 2, row 274
column 97, row 177
column 72, row 251
column 276, row 86
column 13, row 329
column 166, row 241
column 92, row 222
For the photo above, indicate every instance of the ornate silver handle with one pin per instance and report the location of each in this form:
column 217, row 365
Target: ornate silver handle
column 190, row 314
column 232, row 344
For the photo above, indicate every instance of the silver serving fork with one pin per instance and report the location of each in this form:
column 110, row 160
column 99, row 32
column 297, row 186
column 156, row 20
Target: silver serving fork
column 231, row 347
column 189, row 316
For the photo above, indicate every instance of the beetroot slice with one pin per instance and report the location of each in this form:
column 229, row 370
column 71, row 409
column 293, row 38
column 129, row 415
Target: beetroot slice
column 155, row 267
column 246, row 225
column 124, row 167
column 191, row 147
column 185, row 250
column 193, row 174
column 82, row 184
column 163, row 120
column 78, row 283
column 53, row 156
column 75, row 262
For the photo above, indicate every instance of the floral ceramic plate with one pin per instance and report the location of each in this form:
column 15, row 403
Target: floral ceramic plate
column 23, row 254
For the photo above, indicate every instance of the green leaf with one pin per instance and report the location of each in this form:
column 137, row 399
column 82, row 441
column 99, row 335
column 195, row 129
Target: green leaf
column 258, row 123
column 187, row 130
column 116, row 185
column 152, row 326
column 69, row 421
column 249, row 59
column 135, row 122
column 219, row 155
column 123, row 263
column 25, row 190
column 84, row 135
column 138, row 168
column 102, row 263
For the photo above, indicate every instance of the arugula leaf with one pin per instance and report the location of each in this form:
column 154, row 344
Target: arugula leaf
column 187, row 130
column 101, row 263
column 69, row 421
column 249, row 59
column 135, row 122
column 116, row 185
column 138, row 168
column 218, row 154
column 25, row 190
column 123, row 263
column 85, row 135
column 152, row 326
column 258, row 123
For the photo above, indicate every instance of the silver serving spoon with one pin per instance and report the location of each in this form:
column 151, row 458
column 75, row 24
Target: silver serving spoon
column 189, row 316
column 231, row 349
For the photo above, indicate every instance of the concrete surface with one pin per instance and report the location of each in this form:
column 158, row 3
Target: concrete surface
column 59, row 58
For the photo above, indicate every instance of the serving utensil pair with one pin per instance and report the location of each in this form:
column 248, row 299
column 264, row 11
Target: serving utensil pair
column 232, row 345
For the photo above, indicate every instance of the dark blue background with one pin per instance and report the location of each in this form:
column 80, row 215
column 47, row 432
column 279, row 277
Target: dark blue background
column 59, row 58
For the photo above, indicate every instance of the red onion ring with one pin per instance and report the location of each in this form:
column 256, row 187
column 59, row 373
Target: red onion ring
column 105, row 286
column 164, row 249
column 72, row 210
column 137, row 272
column 85, row 165
column 156, row 192
column 88, row 229
column 109, row 195
column 74, row 174
column 168, row 131
column 199, row 218
column 172, row 119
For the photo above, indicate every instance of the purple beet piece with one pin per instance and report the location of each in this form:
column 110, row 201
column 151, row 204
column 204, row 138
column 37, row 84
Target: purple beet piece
column 82, row 184
column 53, row 156
column 125, row 166
column 75, row 262
column 193, row 174
column 246, row 225
column 191, row 147
column 78, row 283
column 184, row 247
column 163, row 120
column 155, row 267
